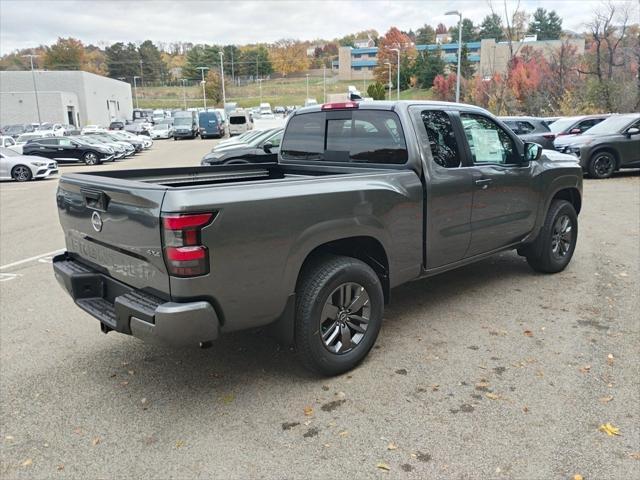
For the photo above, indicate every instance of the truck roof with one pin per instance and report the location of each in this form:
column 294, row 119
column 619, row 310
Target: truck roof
column 392, row 105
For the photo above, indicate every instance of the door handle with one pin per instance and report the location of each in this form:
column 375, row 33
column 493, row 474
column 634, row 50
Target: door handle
column 484, row 182
column 61, row 149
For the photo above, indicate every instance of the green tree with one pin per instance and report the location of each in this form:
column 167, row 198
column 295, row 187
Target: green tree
column 123, row 61
column 491, row 27
column 425, row 35
column 231, row 57
column 546, row 25
column 467, row 68
column 65, row 54
column 376, row 91
column 254, row 61
column 201, row 56
column 469, row 33
column 153, row 67
column 428, row 66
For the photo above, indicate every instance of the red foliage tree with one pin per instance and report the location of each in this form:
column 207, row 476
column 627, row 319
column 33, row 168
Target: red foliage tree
column 444, row 87
column 394, row 38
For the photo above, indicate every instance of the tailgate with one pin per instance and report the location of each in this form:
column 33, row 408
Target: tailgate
column 115, row 228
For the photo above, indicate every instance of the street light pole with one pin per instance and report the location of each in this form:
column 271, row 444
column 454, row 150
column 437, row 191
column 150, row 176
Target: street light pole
column 184, row 91
column 307, row 86
column 135, row 89
column 456, row 12
column 389, row 84
column 35, row 89
column 260, row 86
column 324, row 83
column 224, row 95
column 203, row 83
column 397, row 50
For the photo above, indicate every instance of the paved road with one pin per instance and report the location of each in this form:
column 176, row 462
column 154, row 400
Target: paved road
column 487, row 372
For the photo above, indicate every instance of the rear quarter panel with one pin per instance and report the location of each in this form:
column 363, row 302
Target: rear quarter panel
column 263, row 232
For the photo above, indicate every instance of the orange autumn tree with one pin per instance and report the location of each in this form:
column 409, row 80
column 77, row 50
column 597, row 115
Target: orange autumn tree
column 394, row 38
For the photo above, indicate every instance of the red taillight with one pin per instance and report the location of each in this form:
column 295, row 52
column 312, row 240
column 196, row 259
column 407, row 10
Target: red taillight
column 183, row 252
column 549, row 136
column 339, row 105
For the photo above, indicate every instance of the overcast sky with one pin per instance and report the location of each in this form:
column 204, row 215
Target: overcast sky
column 25, row 23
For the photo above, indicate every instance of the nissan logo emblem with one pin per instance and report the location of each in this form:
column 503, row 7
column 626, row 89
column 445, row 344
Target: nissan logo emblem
column 96, row 221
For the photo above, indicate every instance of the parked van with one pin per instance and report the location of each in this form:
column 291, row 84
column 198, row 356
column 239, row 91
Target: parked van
column 211, row 124
column 185, row 125
column 239, row 122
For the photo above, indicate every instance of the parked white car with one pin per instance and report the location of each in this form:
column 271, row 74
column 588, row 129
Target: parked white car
column 93, row 129
column 161, row 130
column 22, row 168
column 25, row 137
column 7, row 142
column 53, row 129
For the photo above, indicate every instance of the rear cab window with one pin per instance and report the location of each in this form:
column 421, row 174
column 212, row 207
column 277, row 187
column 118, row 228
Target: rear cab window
column 357, row 136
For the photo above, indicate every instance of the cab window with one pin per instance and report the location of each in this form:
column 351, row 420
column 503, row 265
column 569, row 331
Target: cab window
column 442, row 139
column 489, row 144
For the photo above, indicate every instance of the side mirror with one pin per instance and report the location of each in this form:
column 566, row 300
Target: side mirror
column 633, row 131
column 575, row 131
column 267, row 147
column 532, row 152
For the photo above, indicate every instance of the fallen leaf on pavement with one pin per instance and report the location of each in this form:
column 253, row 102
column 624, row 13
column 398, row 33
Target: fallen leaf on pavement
column 392, row 446
column 131, row 372
column 635, row 455
column 609, row 429
column 528, row 333
column 60, row 467
column 308, row 411
column 606, row 399
column 228, row 398
column 491, row 396
column 434, row 387
column 577, row 476
column 8, row 437
column 143, row 401
column 95, row 441
column 27, row 462
column 585, row 369
column 525, row 409
column 179, row 444
column 383, row 466
column 344, row 433
column 610, row 359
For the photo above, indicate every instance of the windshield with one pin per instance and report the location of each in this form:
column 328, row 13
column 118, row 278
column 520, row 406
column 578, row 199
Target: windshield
column 183, row 121
column 611, row 125
column 25, row 138
column 14, row 129
column 7, row 152
column 45, row 126
column 160, row 127
column 563, row 124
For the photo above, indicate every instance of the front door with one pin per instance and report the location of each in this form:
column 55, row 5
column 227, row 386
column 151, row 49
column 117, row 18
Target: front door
column 68, row 150
column 630, row 146
column 449, row 187
column 505, row 199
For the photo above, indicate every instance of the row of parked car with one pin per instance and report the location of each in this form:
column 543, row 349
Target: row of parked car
column 38, row 157
column 603, row 143
column 253, row 146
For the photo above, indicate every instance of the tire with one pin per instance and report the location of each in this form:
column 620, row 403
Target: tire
column 325, row 283
column 552, row 250
column 602, row 165
column 21, row 173
column 90, row 158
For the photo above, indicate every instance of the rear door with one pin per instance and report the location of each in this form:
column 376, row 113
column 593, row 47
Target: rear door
column 504, row 200
column 115, row 227
column 44, row 147
column 449, row 186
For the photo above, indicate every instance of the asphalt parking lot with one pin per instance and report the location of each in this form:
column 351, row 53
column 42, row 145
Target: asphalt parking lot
column 490, row 371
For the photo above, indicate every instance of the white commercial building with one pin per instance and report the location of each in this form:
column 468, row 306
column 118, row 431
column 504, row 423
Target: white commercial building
column 73, row 97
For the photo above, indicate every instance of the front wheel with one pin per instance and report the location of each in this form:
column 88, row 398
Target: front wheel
column 21, row 173
column 552, row 250
column 91, row 158
column 602, row 165
column 339, row 309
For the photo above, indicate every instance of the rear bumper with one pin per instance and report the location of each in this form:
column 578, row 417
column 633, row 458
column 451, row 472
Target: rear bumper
column 130, row 311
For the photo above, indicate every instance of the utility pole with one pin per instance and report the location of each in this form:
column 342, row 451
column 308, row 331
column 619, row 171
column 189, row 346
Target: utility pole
column 389, row 84
column 35, row 89
column 135, row 89
column 184, row 91
column 307, row 75
column 456, row 12
column 397, row 50
column 260, row 86
column 233, row 76
column 324, row 83
column 203, row 83
column 224, row 96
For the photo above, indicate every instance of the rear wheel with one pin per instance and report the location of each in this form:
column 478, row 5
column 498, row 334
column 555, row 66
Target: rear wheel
column 21, row 173
column 339, row 309
column 602, row 165
column 90, row 158
column 552, row 250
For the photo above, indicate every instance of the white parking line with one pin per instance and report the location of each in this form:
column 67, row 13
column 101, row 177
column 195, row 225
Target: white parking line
column 31, row 259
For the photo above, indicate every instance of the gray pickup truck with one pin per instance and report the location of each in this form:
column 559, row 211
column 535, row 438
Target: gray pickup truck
column 364, row 197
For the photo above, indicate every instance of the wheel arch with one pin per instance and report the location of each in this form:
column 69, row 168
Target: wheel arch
column 607, row 149
column 571, row 195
